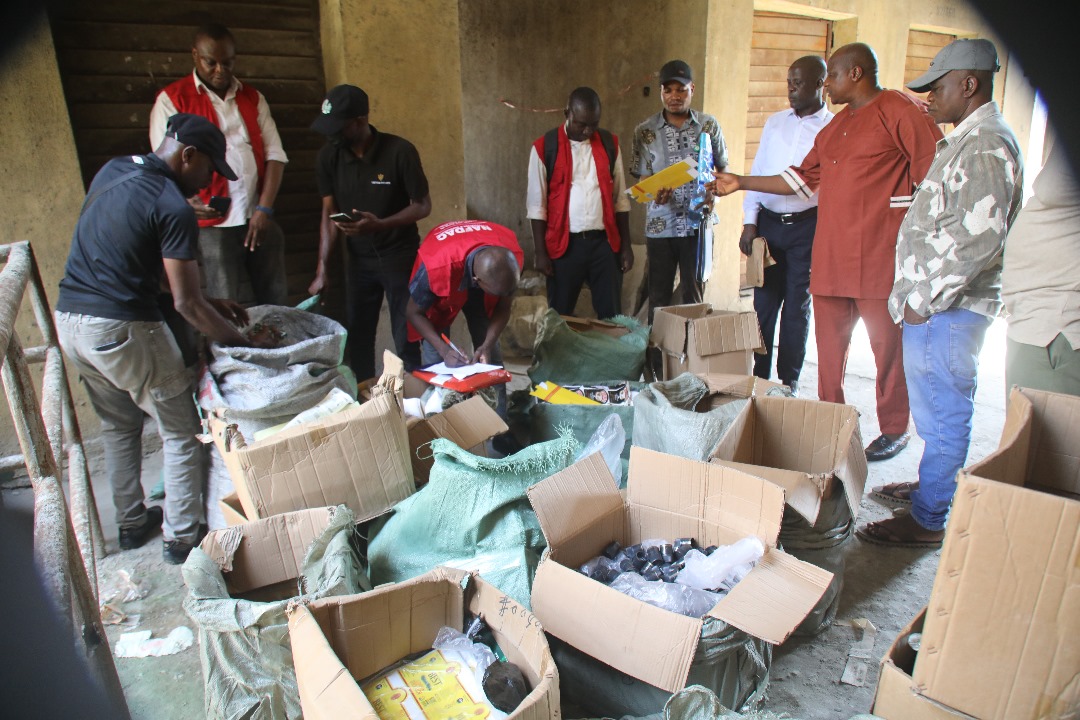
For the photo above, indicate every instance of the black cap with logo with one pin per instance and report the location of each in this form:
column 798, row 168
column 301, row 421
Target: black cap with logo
column 342, row 104
column 204, row 136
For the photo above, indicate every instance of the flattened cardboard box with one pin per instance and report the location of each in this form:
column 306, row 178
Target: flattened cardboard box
column 581, row 510
column 895, row 697
column 698, row 339
column 358, row 457
column 338, row 641
column 261, row 560
column 809, row 448
column 1002, row 633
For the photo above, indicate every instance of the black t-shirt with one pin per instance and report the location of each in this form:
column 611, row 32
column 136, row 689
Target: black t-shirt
column 115, row 264
column 383, row 182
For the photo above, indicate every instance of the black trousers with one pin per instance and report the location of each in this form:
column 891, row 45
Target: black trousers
column 666, row 255
column 588, row 258
column 787, row 286
column 366, row 284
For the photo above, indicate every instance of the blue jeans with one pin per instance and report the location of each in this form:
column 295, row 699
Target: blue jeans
column 941, row 361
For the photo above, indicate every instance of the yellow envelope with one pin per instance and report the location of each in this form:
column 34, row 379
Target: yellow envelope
column 671, row 177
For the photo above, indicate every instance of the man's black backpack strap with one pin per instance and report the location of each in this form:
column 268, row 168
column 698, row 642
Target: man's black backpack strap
column 551, row 149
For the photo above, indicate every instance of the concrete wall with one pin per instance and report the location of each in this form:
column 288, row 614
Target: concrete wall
column 405, row 55
column 40, row 186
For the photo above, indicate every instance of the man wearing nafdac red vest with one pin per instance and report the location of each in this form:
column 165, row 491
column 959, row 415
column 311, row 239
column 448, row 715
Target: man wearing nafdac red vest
column 470, row 266
column 243, row 237
column 579, row 210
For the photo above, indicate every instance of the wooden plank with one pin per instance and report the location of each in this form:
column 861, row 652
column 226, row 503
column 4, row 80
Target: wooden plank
column 769, row 73
column 924, row 51
column 192, row 13
column 769, row 105
column 924, row 37
column 753, row 135
column 123, row 141
column 806, row 44
column 789, row 24
column 127, row 89
column 757, row 119
column 782, row 58
column 768, row 89
column 172, row 64
column 136, row 36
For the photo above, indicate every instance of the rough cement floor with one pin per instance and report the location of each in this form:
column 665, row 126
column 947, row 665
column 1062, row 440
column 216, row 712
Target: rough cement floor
column 885, row 586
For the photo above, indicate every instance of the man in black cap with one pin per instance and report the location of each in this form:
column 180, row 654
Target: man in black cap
column 374, row 192
column 668, row 137
column 134, row 223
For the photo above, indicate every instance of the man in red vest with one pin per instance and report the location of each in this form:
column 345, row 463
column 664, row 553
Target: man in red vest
column 470, row 265
column 579, row 209
column 242, row 235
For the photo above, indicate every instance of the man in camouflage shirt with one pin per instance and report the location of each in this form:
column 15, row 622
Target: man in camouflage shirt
column 668, row 137
column 948, row 280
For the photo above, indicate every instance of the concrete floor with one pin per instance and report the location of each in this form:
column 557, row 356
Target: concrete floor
column 885, row 586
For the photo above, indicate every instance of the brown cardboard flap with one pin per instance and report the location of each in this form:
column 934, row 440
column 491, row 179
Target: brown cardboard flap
column 741, row 503
column 1004, row 612
column 774, row 598
column 670, row 330
column 265, row 552
column 468, row 423
column 592, row 324
column 655, row 646
column 724, row 331
column 574, row 498
column 327, row 690
column 232, row 510
column 742, row 386
column 1009, row 463
column 801, row 491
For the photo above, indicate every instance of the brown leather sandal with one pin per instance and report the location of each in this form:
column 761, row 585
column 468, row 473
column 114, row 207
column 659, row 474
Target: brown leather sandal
column 895, row 494
column 895, row 532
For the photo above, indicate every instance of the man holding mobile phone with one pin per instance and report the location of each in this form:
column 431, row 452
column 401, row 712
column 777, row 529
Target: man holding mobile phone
column 373, row 192
column 238, row 234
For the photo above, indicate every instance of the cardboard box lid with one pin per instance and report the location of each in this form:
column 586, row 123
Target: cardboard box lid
column 670, row 330
column 742, row 386
column 581, row 505
column 467, row 423
column 800, row 445
column 1004, row 612
column 265, row 552
column 698, row 329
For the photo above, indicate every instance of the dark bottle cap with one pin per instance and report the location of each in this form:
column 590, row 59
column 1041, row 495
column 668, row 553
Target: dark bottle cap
column 653, row 555
column 612, row 550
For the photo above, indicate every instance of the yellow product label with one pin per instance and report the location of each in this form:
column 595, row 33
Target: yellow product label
column 433, row 687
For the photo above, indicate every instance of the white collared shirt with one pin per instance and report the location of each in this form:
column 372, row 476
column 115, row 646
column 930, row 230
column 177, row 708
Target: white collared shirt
column 785, row 141
column 238, row 154
column 586, row 211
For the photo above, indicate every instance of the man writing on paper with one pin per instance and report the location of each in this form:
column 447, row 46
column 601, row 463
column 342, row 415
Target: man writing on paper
column 579, row 209
column 669, row 137
column 865, row 165
column 786, row 222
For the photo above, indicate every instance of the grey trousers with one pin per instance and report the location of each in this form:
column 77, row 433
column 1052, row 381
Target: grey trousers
column 1054, row 368
column 130, row 368
column 223, row 257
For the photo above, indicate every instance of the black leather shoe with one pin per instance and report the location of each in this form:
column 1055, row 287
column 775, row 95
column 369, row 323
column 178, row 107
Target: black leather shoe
column 885, row 447
column 175, row 552
column 133, row 537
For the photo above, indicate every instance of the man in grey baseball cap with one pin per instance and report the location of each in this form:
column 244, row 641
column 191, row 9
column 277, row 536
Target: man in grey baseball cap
column 963, row 54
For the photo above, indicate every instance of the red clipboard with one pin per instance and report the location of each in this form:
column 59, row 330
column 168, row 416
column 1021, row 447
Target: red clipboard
column 472, row 383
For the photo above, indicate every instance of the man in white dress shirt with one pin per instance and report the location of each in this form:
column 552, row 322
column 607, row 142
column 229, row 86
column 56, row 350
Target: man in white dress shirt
column 245, row 236
column 579, row 209
column 787, row 223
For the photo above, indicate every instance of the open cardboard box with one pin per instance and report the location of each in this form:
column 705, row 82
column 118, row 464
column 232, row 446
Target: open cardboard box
column 262, row 560
column 469, row 424
column 339, row 641
column 358, row 457
column 1000, row 639
column 698, row 339
column 896, row 697
column 581, row 510
column 809, row 448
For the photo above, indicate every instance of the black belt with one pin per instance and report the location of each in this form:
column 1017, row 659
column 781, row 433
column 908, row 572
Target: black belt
column 790, row 218
column 590, row 235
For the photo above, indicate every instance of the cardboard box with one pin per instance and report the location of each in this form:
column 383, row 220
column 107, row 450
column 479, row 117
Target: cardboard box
column 896, row 697
column 232, row 510
column 1000, row 639
column 338, row 641
column 358, row 457
column 262, row 560
column 698, row 339
column 809, row 448
column 580, row 511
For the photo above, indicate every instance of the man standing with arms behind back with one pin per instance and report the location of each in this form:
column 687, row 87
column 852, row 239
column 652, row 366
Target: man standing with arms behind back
column 948, row 279
column 374, row 191
column 786, row 222
column 865, row 165
column 669, row 137
column 579, row 209
column 245, row 236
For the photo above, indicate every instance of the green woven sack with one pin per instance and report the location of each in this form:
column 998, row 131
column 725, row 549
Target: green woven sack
column 565, row 356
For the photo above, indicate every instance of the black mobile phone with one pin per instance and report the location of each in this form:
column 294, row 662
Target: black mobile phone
column 221, row 204
column 341, row 217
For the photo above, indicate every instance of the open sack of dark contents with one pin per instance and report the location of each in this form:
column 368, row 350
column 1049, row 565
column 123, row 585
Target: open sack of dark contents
column 443, row 646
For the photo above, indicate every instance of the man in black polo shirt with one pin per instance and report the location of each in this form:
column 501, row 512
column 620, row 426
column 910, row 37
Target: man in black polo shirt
column 136, row 222
column 377, row 181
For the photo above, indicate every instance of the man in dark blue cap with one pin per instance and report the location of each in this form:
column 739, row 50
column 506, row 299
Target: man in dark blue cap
column 374, row 192
column 134, row 224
